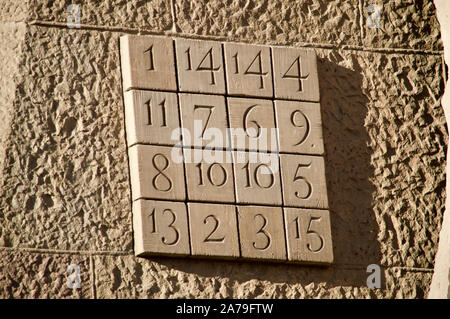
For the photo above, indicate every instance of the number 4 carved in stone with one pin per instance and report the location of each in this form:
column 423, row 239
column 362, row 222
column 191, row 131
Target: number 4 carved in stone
column 294, row 72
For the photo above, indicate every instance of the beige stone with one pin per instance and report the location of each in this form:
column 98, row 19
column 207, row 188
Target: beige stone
column 277, row 21
column 151, row 15
column 308, row 234
column 303, row 180
column 155, row 173
column 299, row 127
column 257, row 178
column 204, row 120
column 440, row 285
column 200, row 66
column 45, row 275
column 295, row 74
column 407, row 24
column 213, row 230
column 248, row 69
column 147, row 62
column 160, row 227
column 151, row 117
column 253, row 124
column 209, row 175
column 65, row 183
column 261, row 232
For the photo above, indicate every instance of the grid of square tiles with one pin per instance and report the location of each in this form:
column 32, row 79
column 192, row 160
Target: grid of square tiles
column 167, row 167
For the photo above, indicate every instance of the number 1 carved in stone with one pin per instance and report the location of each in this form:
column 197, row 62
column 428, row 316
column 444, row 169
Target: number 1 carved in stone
column 150, row 53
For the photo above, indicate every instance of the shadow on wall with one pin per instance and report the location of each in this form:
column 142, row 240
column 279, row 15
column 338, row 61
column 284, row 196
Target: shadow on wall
column 348, row 172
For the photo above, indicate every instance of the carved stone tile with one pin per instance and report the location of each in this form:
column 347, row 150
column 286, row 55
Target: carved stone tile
column 295, row 74
column 299, row 127
column 248, row 69
column 257, row 178
column 250, row 146
column 261, row 232
column 148, row 62
column 253, row 124
column 200, row 66
column 213, row 230
column 209, row 175
column 156, row 173
column 160, row 227
column 204, row 120
column 304, row 181
column 151, row 117
column 308, row 235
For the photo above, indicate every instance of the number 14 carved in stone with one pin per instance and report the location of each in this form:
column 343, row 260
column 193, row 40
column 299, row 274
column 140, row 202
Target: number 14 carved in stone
column 206, row 64
column 255, row 68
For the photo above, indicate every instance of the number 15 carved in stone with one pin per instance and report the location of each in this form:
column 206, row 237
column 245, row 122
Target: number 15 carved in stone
column 200, row 66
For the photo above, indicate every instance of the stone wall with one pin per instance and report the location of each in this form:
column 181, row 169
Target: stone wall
column 65, row 194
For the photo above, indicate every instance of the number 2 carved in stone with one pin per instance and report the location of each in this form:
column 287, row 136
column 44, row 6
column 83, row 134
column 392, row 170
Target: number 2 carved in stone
column 210, row 238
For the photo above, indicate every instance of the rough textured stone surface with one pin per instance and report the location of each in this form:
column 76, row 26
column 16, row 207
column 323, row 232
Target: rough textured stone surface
column 407, row 24
column 41, row 275
column 152, row 15
column 130, row 277
column 66, row 178
column 64, row 183
column 13, row 11
column 279, row 21
column 440, row 286
column 385, row 137
column 11, row 37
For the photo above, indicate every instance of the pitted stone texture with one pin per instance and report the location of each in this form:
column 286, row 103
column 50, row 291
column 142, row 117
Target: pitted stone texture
column 37, row 275
column 385, row 137
column 154, row 15
column 11, row 37
column 65, row 173
column 407, row 24
column 130, row 277
column 13, row 11
column 271, row 22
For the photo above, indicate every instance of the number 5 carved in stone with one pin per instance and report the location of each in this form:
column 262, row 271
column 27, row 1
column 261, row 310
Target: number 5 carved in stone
column 298, row 177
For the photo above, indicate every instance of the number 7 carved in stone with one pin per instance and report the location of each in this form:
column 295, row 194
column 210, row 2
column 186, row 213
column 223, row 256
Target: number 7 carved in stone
column 210, row 108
